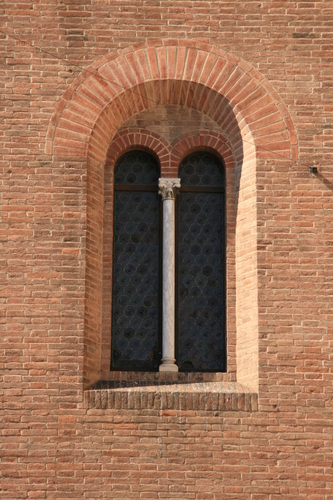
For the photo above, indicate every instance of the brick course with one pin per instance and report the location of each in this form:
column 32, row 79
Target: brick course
column 82, row 82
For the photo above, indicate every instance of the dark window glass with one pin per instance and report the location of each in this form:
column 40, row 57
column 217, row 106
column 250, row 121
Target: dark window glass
column 136, row 304
column 200, row 265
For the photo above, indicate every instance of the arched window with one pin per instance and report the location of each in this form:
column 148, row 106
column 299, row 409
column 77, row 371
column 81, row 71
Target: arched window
column 136, row 263
column 201, row 265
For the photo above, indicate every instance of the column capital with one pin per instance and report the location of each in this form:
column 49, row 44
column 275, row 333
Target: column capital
column 168, row 187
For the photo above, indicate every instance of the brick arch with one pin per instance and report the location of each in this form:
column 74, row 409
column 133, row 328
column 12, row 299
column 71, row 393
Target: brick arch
column 131, row 138
column 204, row 140
column 169, row 155
column 190, row 73
column 242, row 104
column 208, row 102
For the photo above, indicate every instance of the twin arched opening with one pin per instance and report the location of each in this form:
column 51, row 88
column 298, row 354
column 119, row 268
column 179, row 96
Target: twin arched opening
column 194, row 279
column 221, row 103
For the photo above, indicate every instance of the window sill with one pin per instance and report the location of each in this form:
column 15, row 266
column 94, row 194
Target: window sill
column 170, row 391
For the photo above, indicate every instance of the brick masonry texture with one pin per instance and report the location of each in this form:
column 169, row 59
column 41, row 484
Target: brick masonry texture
column 83, row 81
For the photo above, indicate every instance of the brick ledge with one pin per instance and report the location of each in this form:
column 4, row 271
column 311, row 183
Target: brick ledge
column 207, row 396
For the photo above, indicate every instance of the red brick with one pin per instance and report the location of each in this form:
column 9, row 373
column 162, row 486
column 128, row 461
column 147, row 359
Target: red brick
column 65, row 120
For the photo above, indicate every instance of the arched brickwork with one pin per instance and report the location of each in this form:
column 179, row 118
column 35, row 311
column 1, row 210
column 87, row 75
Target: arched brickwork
column 171, row 154
column 129, row 138
column 189, row 73
column 203, row 140
column 243, row 105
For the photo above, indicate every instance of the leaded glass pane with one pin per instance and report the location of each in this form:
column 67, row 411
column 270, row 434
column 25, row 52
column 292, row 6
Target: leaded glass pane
column 136, row 168
column 135, row 309
column 201, row 169
column 200, row 276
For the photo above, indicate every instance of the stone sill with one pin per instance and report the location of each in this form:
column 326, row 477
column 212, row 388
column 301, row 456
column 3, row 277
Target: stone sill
column 166, row 391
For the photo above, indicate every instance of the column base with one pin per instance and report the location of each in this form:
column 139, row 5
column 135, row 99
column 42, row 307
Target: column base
column 168, row 365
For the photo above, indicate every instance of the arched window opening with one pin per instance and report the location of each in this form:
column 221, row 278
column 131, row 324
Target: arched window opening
column 200, row 312
column 200, row 283
column 136, row 263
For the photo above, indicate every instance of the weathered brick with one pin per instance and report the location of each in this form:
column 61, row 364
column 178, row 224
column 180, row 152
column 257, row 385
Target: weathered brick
column 82, row 82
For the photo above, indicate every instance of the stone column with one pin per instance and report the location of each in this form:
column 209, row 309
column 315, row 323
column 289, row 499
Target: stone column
column 168, row 188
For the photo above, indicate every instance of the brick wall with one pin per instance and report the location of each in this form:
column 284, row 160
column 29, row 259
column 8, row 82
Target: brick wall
column 82, row 82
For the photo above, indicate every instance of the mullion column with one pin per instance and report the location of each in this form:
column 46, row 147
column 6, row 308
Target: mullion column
column 168, row 188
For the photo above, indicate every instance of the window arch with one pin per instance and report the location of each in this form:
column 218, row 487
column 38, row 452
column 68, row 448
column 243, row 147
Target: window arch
column 201, row 265
column 136, row 255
